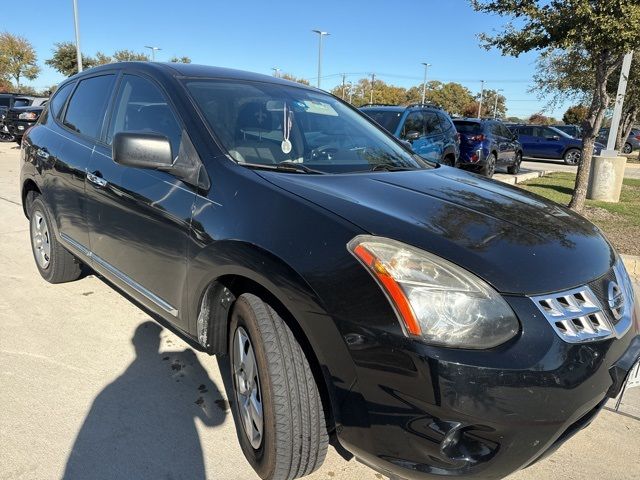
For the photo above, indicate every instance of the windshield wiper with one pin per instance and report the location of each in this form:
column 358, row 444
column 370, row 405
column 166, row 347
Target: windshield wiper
column 390, row 168
column 285, row 166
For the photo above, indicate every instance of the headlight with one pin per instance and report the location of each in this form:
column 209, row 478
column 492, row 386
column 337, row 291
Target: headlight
column 436, row 300
column 28, row 116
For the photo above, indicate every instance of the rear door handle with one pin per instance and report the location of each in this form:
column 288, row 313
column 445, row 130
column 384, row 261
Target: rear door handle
column 96, row 179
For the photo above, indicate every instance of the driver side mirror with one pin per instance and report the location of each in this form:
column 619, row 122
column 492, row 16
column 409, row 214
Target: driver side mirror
column 142, row 150
column 412, row 135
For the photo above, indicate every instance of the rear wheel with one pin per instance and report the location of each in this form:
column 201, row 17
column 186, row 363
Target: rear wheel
column 277, row 410
column 572, row 156
column 449, row 161
column 55, row 264
column 490, row 166
column 515, row 168
column 627, row 149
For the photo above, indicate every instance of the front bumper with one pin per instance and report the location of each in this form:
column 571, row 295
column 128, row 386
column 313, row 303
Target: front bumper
column 420, row 412
column 18, row 128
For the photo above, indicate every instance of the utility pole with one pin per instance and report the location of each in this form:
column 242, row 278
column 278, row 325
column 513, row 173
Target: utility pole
column 153, row 52
column 481, row 99
column 424, row 82
column 350, row 93
column 344, row 77
column 320, row 35
column 373, row 82
column 276, row 72
column 77, row 28
column 495, row 107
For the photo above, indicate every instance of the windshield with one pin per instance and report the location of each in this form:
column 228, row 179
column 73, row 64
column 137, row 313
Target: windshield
column 386, row 118
column 560, row 132
column 473, row 128
column 269, row 124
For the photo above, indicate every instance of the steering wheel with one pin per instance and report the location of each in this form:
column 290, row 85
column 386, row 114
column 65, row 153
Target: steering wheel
column 323, row 153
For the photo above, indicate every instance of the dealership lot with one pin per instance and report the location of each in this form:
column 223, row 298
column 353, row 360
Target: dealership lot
column 88, row 385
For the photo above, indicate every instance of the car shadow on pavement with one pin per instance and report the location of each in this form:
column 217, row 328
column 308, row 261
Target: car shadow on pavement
column 143, row 424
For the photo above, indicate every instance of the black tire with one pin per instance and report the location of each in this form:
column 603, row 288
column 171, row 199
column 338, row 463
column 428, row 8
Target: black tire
column 627, row 149
column 294, row 439
column 489, row 167
column 515, row 168
column 61, row 266
column 572, row 156
column 449, row 161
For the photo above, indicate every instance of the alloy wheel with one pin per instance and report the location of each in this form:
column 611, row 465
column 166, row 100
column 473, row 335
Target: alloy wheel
column 40, row 239
column 247, row 387
column 573, row 157
column 627, row 149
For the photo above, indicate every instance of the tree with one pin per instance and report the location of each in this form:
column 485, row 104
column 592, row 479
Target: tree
column 130, row 56
column 293, row 78
column 598, row 32
column 360, row 93
column 102, row 59
column 17, row 58
column 175, row 59
column 452, row 97
column 64, row 59
column 5, row 86
column 575, row 115
column 540, row 119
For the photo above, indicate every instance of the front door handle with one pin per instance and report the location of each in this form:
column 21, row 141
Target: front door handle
column 96, row 179
column 42, row 153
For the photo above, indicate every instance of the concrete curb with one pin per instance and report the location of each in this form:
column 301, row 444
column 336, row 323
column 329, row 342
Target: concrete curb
column 521, row 177
column 632, row 264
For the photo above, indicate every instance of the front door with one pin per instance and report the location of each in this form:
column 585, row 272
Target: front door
column 139, row 219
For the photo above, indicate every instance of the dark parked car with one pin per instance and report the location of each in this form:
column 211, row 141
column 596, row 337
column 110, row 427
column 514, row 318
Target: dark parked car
column 540, row 141
column 427, row 128
column 20, row 119
column 7, row 102
column 429, row 321
column 487, row 144
column 630, row 145
column 574, row 131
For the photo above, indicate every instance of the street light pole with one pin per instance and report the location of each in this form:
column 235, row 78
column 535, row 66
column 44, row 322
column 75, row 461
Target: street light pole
column 373, row 82
column 424, row 82
column 276, row 72
column 77, row 28
column 617, row 109
column 481, row 99
column 495, row 107
column 153, row 52
column 320, row 35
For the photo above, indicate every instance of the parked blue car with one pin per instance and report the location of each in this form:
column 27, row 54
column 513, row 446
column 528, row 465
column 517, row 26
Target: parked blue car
column 428, row 128
column 486, row 144
column 540, row 141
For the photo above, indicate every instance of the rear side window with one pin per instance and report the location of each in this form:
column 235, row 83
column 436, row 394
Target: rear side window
column 388, row 119
column 59, row 99
column 445, row 121
column 88, row 105
column 141, row 107
column 21, row 102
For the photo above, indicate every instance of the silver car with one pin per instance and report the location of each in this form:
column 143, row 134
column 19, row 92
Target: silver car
column 631, row 145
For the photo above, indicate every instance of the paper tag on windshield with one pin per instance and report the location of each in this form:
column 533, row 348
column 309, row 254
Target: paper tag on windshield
column 286, row 146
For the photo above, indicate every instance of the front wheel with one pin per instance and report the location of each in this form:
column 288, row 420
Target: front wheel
column 572, row 156
column 627, row 149
column 277, row 408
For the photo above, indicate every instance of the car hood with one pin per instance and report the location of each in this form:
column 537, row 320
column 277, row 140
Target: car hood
column 514, row 240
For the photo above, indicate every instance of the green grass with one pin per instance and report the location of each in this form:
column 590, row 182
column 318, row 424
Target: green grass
column 621, row 224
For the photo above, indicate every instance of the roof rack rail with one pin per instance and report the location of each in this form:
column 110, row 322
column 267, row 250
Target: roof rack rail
column 426, row 104
column 379, row 105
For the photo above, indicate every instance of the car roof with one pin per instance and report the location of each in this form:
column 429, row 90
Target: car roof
column 191, row 70
column 398, row 108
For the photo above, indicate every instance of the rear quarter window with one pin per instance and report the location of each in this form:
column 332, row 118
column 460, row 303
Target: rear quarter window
column 59, row 99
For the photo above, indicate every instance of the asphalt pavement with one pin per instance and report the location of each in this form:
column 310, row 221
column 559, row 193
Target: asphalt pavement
column 91, row 388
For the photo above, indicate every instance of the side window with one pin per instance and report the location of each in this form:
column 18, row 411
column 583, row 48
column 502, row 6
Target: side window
column 432, row 124
column 445, row 122
column 59, row 99
column 504, row 131
column 88, row 105
column 548, row 133
column 414, row 123
column 141, row 107
column 495, row 129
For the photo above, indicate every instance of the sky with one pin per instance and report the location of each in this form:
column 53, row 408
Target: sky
column 390, row 39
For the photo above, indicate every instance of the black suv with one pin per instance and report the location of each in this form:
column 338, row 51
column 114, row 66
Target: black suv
column 429, row 321
column 23, row 115
column 427, row 128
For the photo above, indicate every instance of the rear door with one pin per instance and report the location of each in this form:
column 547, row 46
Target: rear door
column 80, row 127
column 509, row 146
column 139, row 219
column 529, row 141
column 552, row 144
column 435, row 134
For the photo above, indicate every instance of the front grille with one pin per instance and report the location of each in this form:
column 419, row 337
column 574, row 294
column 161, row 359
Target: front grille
column 585, row 314
column 575, row 315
